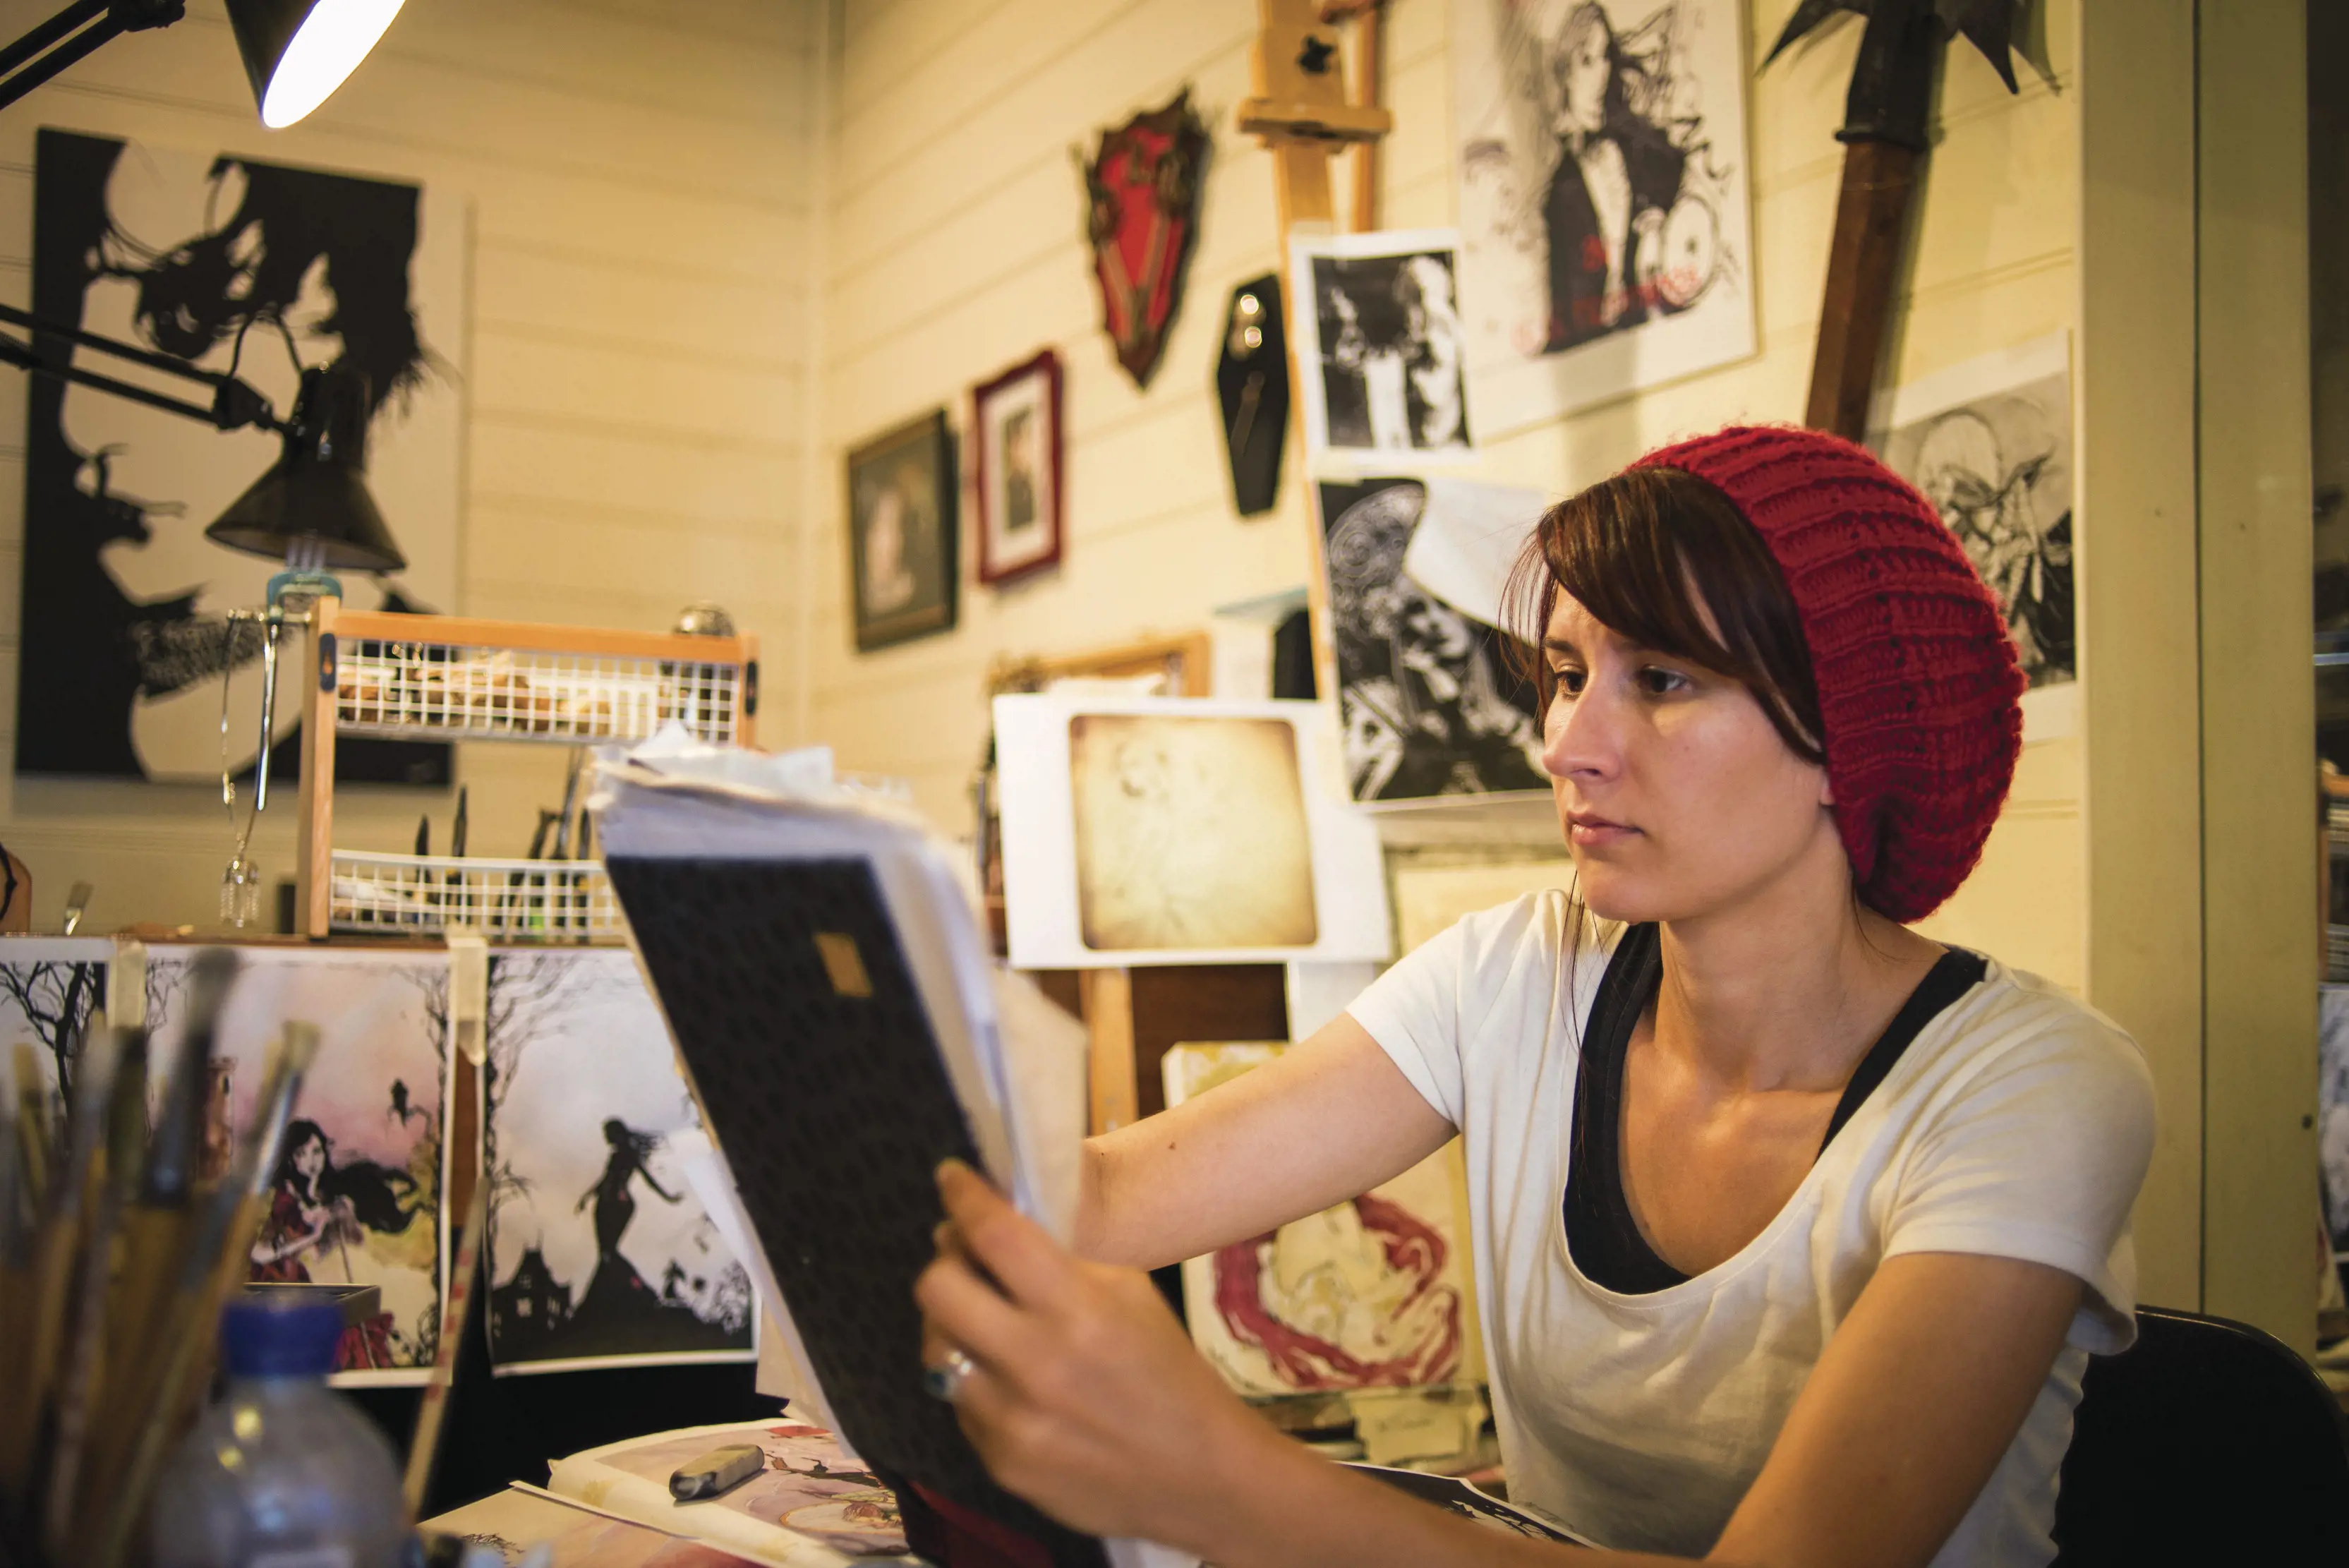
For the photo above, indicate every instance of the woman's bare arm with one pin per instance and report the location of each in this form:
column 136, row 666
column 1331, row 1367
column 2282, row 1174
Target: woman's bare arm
column 1327, row 1121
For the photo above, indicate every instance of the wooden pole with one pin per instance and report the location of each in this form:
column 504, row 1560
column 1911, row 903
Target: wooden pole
column 1871, row 219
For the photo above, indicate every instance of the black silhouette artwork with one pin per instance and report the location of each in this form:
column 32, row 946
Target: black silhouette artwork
column 226, row 264
column 598, row 1250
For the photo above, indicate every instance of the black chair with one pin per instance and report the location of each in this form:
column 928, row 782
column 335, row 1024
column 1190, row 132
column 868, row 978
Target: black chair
column 2206, row 1442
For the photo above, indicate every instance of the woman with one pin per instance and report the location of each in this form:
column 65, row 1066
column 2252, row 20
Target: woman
column 1616, row 177
column 1793, row 1229
column 318, row 1210
column 614, row 1205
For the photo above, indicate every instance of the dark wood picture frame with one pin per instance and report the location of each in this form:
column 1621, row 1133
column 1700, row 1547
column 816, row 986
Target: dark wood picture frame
column 1038, row 380
column 910, row 589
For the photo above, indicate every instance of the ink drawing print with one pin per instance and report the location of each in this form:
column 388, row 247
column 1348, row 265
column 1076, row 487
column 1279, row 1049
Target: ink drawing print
column 1190, row 832
column 1990, row 443
column 1429, row 704
column 1606, row 237
column 1372, row 1294
column 355, row 1197
column 598, row 1251
column 216, row 261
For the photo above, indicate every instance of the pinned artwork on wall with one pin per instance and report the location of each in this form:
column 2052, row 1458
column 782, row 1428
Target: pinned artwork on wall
column 50, row 986
column 217, row 260
column 1155, row 831
column 903, row 532
column 1016, row 431
column 599, row 1251
column 1380, row 336
column 1606, row 235
column 1373, row 1294
column 1990, row 443
column 1252, row 391
column 356, row 1197
column 1429, row 706
column 1143, row 191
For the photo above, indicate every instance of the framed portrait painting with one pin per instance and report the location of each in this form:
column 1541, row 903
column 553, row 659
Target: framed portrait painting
column 901, row 561
column 1016, row 426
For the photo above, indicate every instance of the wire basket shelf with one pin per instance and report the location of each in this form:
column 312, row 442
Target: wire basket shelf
column 505, row 900
column 410, row 691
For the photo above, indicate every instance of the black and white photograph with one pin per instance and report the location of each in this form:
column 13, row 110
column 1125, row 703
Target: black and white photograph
column 1606, row 233
column 1429, row 704
column 902, row 558
column 1379, row 341
column 1016, row 435
column 220, row 261
column 50, row 986
column 598, row 1253
column 1990, row 443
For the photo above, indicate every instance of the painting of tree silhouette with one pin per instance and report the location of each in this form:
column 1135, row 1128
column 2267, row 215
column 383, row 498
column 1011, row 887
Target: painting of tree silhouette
column 52, row 988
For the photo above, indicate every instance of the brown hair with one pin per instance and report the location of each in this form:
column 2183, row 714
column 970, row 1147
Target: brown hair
column 1664, row 558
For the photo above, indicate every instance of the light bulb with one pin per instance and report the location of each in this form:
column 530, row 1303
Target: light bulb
column 331, row 42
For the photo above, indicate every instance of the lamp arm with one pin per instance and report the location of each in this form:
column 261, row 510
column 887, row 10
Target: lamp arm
column 234, row 404
column 73, row 34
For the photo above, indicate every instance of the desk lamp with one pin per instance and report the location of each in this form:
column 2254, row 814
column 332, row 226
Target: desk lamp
column 297, row 52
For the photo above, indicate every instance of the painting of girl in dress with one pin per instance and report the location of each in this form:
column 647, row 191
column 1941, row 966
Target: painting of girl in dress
column 315, row 1211
column 355, row 1197
column 1603, row 202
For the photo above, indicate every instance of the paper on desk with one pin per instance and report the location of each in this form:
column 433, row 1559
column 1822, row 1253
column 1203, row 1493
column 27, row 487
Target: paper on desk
column 1469, row 536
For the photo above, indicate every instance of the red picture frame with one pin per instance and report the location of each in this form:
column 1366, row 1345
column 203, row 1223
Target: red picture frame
column 1015, row 469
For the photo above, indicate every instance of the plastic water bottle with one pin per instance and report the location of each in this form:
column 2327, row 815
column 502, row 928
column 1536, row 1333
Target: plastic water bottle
column 280, row 1472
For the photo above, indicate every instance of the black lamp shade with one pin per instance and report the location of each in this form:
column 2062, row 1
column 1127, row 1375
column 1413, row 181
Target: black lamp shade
column 316, row 491
column 297, row 52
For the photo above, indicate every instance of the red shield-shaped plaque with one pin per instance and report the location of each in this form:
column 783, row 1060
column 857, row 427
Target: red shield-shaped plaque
column 1142, row 191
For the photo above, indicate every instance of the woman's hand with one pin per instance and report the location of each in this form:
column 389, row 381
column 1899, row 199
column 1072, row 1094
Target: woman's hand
column 1087, row 1398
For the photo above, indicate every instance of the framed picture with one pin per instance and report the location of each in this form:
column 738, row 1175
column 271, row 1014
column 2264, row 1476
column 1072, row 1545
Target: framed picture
column 1016, row 425
column 902, row 563
column 1380, row 345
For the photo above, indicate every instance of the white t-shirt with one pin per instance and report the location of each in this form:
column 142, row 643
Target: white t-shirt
column 2018, row 1123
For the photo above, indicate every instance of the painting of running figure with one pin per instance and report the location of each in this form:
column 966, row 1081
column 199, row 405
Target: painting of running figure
column 1606, row 235
column 598, row 1253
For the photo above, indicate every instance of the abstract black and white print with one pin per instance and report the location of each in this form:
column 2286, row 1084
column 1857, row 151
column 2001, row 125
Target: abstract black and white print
column 2332, row 1116
column 1605, row 229
column 598, row 1251
column 225, row 262
column 1430, row 707
column 1383, row 345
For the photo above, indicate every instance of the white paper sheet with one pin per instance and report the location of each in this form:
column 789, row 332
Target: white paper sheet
column 1468, row 540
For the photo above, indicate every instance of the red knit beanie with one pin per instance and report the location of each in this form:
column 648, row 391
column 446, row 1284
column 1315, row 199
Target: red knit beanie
column 1918, row 687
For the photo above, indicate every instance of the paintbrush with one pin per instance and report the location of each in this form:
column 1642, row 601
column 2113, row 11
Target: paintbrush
column 154, row 1406
column 154, row 1226
column 55, row 1251
column 32, row 1126
column 96, row 1072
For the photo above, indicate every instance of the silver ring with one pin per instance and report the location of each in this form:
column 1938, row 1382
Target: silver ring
column 945, row 1380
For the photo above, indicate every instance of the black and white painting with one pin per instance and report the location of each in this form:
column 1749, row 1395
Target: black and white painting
column 1380, row 339
column 1990, row 443
column 1429, row 704
column 1606, row 235
column 599, row 1251
column 226, row 263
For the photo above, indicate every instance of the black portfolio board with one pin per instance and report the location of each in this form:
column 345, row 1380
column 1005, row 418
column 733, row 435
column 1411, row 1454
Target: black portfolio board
column 795, row 1010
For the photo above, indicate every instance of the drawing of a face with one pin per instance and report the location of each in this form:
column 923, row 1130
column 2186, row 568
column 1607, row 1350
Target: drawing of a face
column 310, row 1159
column 888, row 583
column 1582, row 63
column 1425, row 626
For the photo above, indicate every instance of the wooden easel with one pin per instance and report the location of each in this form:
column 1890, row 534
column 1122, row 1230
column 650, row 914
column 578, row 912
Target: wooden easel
column 1297, row 109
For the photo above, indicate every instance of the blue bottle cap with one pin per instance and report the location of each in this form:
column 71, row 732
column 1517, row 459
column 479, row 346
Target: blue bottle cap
column 264, row 1336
